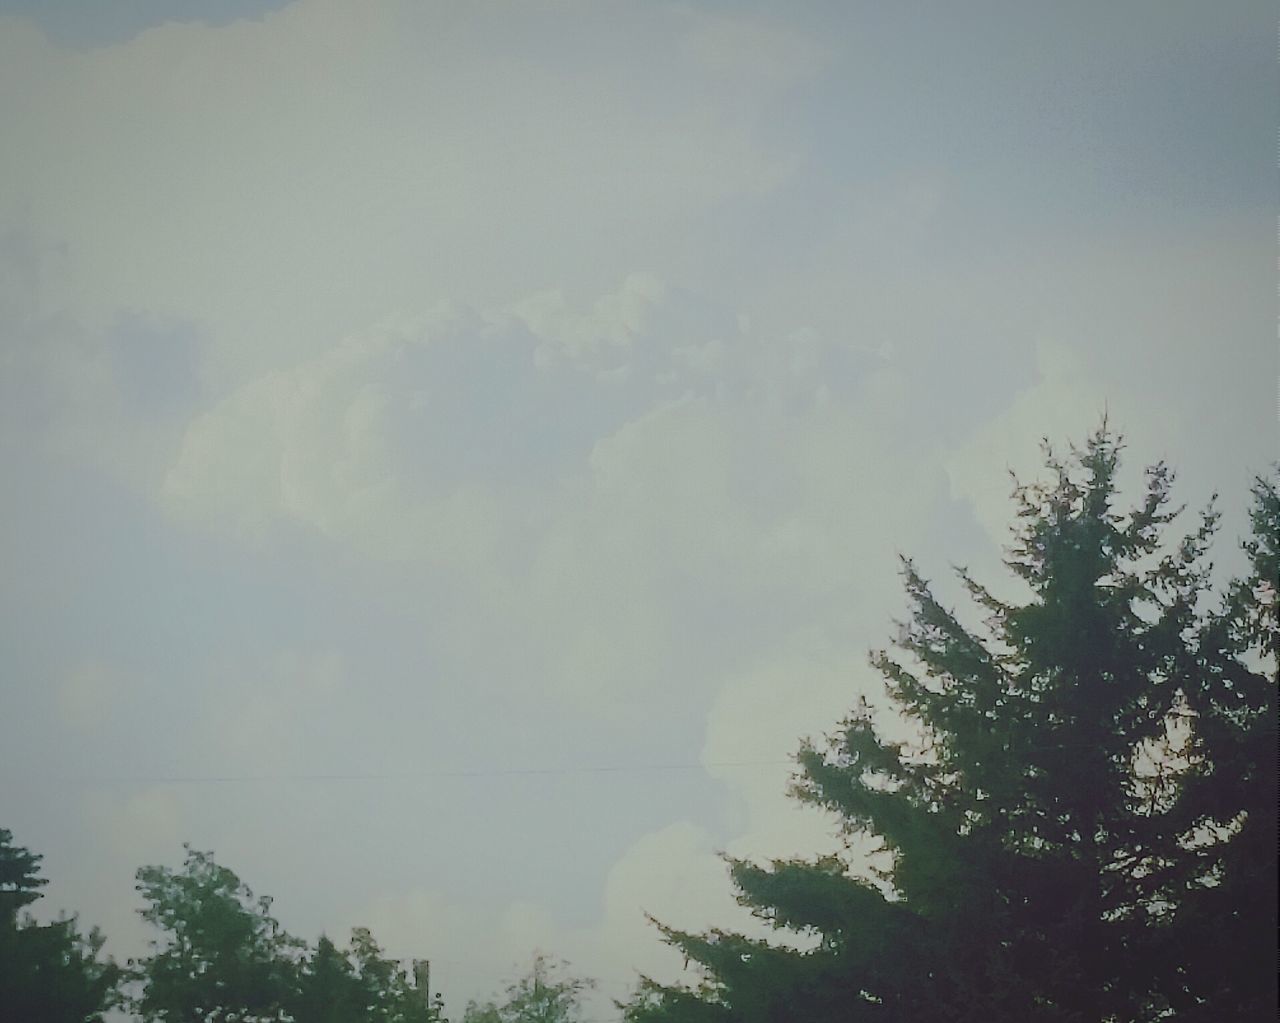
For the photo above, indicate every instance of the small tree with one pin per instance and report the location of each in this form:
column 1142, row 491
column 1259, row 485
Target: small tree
column 547, row 994
column 1084, row 828
column 49, row 972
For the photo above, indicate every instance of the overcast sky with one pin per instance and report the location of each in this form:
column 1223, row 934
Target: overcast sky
column 453, row 452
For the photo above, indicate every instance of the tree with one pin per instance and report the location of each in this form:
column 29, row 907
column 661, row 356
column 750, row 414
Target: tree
column 1229, row 960
column 547, row 994
column 360, row 984
column 1084, row 827
column 328, row 989
column 20, row 880
column 223, row 956
column 47, row 971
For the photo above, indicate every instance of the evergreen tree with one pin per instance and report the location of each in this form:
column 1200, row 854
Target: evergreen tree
column 1083, row 830
column 1224, row 956
column 20, row 880
column 49, row 972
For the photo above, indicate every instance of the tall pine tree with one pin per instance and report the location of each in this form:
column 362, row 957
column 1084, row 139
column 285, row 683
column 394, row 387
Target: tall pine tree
column 1084, row 829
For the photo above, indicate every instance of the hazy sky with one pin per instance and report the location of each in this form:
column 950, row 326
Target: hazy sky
column 453, row 452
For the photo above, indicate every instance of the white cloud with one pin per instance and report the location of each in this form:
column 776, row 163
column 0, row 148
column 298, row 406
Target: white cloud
column 597, row 523
column 672, row 874
column 1011, row 442
column 629, row 506
column 300, row 444
column 613, row 323
column 694, row 501
column 801, row 689
column 300, row 178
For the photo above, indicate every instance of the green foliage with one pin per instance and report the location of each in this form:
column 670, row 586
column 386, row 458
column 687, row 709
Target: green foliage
column 1084, row 828
column 337, row 986
column 223, row 956
column 1225, row 958
column 49, row 972
column 221, row 952
column 328, row 989
column 20, row 880
column 547, row 994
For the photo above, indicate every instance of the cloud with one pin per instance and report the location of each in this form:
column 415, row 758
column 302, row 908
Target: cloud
column 298, row 444
column 751, row 50
column 603, row 334
column 475, row 393
column 673, row 874
column 1050, row 409
column 113, row 395
column 301, row 179
column 802, row 688
column 606, row 522
column 725, row 479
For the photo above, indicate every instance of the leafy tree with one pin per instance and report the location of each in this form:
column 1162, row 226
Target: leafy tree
column 328, row 989
column 49, row 972
column 547, row 994
column 359, row 984
column 1084, row 827
column 223, row 956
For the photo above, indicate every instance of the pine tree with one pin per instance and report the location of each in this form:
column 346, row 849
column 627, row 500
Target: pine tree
column 1083, row 829
column 50, row 972
column 1227, row 925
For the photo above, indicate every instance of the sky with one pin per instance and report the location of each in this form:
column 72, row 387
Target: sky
column 455, row 452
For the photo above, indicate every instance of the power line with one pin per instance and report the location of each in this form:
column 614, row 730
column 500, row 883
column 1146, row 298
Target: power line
column 501, row 772
column 234, row 779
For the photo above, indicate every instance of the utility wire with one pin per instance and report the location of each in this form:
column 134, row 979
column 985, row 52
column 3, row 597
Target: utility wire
column 501, row 772
column 479, row 772
column 232, row 779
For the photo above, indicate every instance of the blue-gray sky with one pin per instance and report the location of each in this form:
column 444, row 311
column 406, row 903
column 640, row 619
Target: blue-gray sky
column 440, row 392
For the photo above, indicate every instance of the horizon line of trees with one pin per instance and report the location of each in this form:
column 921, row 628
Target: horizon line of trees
column 1083, row 829
column 221, row 955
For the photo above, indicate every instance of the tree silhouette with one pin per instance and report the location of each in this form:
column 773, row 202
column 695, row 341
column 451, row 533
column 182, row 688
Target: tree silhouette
column 221, row 955
column 1083, row 827
column 49, row 972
